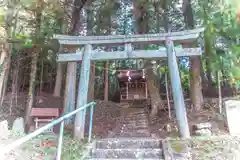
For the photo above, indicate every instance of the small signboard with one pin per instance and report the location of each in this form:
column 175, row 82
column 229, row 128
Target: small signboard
column 136, row 96
column 232, row 108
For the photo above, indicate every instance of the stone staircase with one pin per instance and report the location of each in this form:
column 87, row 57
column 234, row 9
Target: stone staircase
column 130, row 140
column 127, row 148
column 134, row 123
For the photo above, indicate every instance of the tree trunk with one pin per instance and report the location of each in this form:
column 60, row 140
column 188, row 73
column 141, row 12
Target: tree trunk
column 195, row 68
column 15, row 69
column 15, row 78
column 59, row 77
column 75, row 22
column 196, row 84
column 92, row 71
column 207, row 51
column 106, row 63
column 7, row 72
column 141, row 17
column 4, row 60
column 238, row 13
column 78, row 5
column 31, row 92
column 58, row 83
column 209, row 73
column 106, row 81
column 41, row 77
column 157, row 14
column 203, row 77
column 70, row 85
column 36, row 49
column 92, row 83
column 156, row 101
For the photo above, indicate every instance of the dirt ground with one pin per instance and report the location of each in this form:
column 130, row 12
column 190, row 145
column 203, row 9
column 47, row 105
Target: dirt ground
column 105, row 118
column 163, row 126
column 14, row 105
column 107, row 115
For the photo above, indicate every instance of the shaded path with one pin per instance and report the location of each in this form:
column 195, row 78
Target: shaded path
column 131, row 139
column 133, row 123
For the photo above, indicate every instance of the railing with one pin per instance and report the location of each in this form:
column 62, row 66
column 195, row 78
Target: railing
column 22, row 140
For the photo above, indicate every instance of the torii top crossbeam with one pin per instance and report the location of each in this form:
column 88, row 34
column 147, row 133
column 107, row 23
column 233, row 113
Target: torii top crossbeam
column 187, row 35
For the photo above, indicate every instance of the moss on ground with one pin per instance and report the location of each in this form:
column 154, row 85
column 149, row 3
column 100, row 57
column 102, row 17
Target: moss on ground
column 208, row 148
column 45, row 147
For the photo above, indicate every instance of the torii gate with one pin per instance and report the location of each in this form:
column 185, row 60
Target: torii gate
column 88, row 54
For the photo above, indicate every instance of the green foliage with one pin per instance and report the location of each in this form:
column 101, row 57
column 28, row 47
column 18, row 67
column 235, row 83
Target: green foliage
column 219, row 21
column 71, row 150
column 116, row 17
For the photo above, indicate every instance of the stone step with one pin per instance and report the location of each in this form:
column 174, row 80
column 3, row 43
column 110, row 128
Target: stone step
column 136, row 117
column 132, row 135
column 126, row 158
column 136, row 121
column 133, row 130
column 136, row 124
column 137, row 114
column 127, row 153
column 140, row 120
column 137, row 111
column 132, row 127
column 114, row 143
column 143, row 117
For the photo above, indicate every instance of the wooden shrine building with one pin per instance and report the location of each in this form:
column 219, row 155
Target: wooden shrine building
column 133, row 88
column 132, row 85
column 87, row 54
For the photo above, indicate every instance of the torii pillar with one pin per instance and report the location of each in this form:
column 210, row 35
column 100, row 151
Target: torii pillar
column 179, row 103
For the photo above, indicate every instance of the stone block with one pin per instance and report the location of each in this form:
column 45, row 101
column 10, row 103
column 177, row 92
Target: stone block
column 232, row 109
column 4, row 132
column 202, row 126
column 18, row 125
column 203, row 132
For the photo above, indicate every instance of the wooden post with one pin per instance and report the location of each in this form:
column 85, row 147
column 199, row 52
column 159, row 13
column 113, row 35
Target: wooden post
column 167, row 95
column 83, row 92
column 146, row 90
column 127, row 90
column 219, row 92
column 106, row 81
column 179, row 104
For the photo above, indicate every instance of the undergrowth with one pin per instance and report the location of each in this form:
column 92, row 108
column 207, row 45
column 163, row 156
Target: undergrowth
column 207, row 148
column 45, row 146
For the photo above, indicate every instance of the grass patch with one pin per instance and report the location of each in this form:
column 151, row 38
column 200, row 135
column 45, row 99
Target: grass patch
column 177, row 146
column 208, row 148
column 45, row 146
